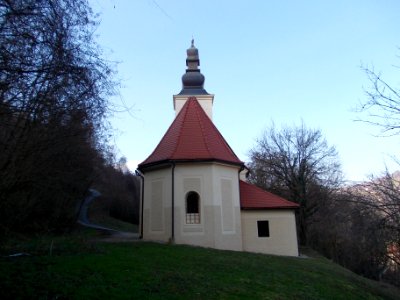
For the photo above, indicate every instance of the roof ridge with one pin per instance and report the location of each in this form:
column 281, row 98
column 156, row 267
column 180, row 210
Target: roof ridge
column 204, row 133
column 184, row 113
column 225, row 144
column 166, row 134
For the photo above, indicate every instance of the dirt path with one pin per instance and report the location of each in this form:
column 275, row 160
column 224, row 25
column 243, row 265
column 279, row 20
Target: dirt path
column 110, row 235
column 120, row 236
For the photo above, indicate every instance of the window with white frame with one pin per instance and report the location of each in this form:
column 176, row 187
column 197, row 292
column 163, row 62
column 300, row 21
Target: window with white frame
column 192, row 208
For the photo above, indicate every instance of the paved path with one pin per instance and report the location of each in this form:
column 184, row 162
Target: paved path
column 113, row 235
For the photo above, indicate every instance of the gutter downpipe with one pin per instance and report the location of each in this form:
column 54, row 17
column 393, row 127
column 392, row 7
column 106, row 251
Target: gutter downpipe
column 173, row 203
column 242, row 167
column 140, row 174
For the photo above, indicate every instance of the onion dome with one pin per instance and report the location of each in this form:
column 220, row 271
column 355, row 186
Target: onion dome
column 193, row 80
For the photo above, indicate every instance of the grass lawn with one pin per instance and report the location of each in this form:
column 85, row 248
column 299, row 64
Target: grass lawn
column 77, row 267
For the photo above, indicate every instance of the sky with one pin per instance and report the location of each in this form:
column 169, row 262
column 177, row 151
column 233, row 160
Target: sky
column 265, row 61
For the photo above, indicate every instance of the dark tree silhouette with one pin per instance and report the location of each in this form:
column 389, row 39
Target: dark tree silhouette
column 382, row 195
column 297, row 163
column 53, row 103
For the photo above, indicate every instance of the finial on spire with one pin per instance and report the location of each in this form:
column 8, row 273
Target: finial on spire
column 193, row 80
column 192, row 60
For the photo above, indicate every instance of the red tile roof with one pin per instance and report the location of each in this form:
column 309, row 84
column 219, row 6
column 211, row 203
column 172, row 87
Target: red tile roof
column 192, row 136
column 252, row 197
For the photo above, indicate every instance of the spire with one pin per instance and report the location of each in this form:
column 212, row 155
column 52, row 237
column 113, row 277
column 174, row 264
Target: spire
column 192, row 60
column 193, row 80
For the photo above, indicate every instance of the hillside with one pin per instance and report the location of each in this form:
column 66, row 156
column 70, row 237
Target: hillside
column 82, row 267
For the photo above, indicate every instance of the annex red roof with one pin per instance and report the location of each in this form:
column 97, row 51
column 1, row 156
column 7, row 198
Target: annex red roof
column 252, row 197
column 192, row 136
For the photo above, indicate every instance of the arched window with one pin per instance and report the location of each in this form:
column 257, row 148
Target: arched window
column 192, row 208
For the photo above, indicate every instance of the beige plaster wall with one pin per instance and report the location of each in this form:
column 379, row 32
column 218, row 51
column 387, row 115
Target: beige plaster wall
column 157, row 219
column 282, row 229
column 206, row 102
column 218, row 188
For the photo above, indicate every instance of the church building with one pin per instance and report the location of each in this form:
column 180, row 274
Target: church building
column 195, row 191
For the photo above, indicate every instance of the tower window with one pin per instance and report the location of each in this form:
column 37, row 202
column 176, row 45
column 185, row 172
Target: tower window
column 192, row 208
column 263, row 228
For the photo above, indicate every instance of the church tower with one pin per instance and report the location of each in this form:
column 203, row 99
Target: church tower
column 193, row 84
column 191, row 180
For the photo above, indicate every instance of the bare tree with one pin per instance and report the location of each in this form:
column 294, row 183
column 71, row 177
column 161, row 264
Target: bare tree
column 382, row 106
column 54, row 87
column 121, row 190
column 382, row 195
column 297, row 163
column 349, row 233
column 383, row 110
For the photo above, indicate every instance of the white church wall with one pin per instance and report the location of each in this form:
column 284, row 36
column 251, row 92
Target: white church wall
column 157, row 205
column 205, row 101
column 282, row 238
column 189, row 179
column 228, row 228
column 219, row 225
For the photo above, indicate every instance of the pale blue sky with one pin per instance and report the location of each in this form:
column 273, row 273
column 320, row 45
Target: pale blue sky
column 281, row 61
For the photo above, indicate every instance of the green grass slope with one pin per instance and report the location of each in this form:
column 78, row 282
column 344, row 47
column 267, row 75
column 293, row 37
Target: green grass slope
column 73, row 268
